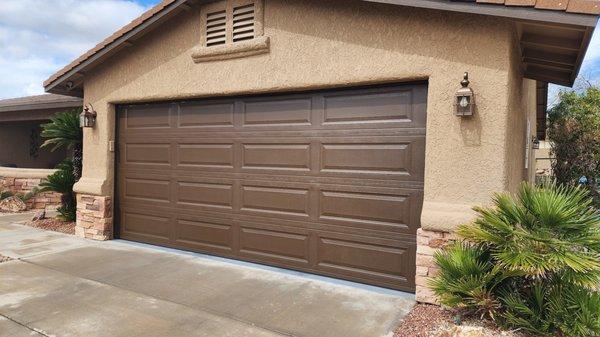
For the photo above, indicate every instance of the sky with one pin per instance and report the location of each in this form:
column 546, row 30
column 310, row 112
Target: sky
column 38, row 37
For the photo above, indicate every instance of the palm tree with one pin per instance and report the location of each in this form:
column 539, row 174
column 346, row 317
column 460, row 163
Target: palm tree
column 63, row 131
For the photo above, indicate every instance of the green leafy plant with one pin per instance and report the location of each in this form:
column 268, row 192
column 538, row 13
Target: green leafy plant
column 531, row 262
column 574, row 133
column 5, row 194
column 63, row 131
column 62, row 182
column 23, row 196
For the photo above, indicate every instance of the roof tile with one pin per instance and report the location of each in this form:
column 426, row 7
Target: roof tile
column 558, row 5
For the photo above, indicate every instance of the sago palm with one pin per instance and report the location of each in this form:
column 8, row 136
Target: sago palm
column 63, row 131
column 468, row 279
column 547, row 231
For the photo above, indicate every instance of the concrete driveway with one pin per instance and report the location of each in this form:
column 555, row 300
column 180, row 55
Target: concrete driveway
column 59, row 285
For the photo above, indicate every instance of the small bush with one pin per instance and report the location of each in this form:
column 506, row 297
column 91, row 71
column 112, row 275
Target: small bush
column 62, row 182
column 531, row 262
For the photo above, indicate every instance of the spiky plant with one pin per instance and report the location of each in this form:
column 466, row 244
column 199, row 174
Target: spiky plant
column 546, row 232
column 63, row 131
column 467, row 279
column 62, row 182
column 532, row 261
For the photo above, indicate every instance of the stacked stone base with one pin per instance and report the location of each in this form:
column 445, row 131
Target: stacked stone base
column 24, row 186
column 428, row 243
column 94, row 217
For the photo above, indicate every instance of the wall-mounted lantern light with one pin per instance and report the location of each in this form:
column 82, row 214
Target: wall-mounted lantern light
column 87, row 118
column 535, row 143
column 465, row 99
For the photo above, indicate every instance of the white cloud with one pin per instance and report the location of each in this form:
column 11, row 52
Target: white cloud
column 38, row 37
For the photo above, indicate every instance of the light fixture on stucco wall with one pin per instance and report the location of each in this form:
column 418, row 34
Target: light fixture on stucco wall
column 87, row 118
column 465, row 99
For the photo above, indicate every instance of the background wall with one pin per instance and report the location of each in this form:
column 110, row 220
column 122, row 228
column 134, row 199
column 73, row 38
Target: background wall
column 16, row 143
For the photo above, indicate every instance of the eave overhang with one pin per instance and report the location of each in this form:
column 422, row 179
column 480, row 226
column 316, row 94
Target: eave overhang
column 552, row 43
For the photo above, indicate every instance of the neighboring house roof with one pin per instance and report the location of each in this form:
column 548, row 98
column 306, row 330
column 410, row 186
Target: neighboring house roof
column 46, row 101
column 38, row 107
column 583, row 13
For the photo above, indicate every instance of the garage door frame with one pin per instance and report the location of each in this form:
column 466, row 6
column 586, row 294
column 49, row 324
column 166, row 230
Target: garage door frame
column 117, row 215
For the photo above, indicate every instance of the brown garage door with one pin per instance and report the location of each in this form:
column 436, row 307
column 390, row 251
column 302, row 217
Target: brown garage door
column 329, row 182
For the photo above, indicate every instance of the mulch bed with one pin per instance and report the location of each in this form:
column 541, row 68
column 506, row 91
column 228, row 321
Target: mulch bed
column 432, row 321
column 53, row 224
column 4, row 258
column 422, row 321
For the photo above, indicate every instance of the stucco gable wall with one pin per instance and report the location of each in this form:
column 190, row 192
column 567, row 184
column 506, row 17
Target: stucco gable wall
column 318, row 44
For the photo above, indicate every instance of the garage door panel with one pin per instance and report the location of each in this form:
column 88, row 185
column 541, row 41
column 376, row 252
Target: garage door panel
column 205, row 194
column 275, row 201
column 155, row 226
column 329, row 182
column 388, row 106
column 211, row 235
column 146, row 189
column 274, row 245
column 150, row 116
column 206, row 114
column 278, row 156
column 205, row 155
column 269, row 112
column 146, row 154
column 370, row 210
column 353, row 257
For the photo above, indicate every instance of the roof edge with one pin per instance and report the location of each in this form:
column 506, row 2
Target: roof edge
column 167, row 7
column 493, row 9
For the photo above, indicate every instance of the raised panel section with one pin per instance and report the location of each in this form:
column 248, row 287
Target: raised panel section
column 270, row 200
column 205, row 194
column 392, row 210
column 148, row 116
column 206, row 114
column 149, row 190
column 146, row 225
column 393, row 106
column 359, row 257
column 277, row 156
column 207, row 234
column 156, row 154
column 274, row 244
column 278, row 112
column 366, row 158
column 216, row 155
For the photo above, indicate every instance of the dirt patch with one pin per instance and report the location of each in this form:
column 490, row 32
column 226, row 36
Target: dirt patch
column 422, row 320
column 53, row 224
column 4, row 258
column 432, row 321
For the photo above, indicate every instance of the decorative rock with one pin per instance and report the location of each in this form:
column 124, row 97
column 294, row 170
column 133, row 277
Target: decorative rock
column 12, row 204
column 39, row 215
column 463, row 331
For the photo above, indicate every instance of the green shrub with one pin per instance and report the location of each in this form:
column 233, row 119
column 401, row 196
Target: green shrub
column 574, row 133
column 531, row 262
column 62, row 182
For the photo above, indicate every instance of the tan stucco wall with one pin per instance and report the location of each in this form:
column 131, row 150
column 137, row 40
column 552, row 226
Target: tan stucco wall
column 15, row 142
column 331, row 43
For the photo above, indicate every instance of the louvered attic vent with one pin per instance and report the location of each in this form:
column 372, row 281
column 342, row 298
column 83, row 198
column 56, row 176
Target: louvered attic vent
column 216, row 28
column 243, row 23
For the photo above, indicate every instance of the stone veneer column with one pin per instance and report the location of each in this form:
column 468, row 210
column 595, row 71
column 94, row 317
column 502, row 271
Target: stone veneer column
column 94, row 217
column 428, row 242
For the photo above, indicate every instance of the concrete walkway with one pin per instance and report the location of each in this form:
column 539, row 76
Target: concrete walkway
column 59, row 285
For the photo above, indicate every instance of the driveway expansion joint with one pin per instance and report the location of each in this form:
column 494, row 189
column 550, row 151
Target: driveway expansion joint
column 25, row 326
